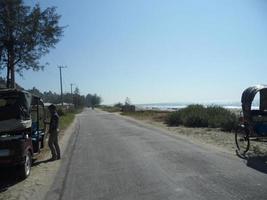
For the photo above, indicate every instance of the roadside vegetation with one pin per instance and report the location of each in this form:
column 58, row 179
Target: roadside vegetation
column 205, row 125
column 110, row 108
column 154, row 115
column 194, row 116
column 67, row 116
column 200, row 116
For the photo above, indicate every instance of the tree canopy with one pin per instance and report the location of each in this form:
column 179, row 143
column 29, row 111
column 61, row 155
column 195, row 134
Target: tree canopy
column 26, row 34
column 93, row 100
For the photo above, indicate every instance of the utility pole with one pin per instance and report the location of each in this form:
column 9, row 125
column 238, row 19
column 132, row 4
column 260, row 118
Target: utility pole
column 61, row 89
column 71, row 87
column 71, row 92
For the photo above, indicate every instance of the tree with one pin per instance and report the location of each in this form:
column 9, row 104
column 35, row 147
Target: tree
column 26, row 34
column 51, row 97
column 36, row 92
column 88, row 100
column 78, row 100
column 127, row 101
column 93, row 100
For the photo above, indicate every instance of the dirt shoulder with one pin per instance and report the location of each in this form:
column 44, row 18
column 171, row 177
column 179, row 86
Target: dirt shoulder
column 210, row 137
column 42, row 175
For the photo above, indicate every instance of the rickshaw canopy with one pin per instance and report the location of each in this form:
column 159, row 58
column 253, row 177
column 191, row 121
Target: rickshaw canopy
column 16, row 104
column 249, row 95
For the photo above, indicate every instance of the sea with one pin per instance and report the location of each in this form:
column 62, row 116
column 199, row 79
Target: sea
column 177, row 106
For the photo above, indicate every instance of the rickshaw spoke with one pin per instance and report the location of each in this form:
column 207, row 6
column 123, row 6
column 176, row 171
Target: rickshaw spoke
column 242, row 140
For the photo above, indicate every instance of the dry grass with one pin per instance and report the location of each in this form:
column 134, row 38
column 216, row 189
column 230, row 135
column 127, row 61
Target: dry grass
column 157, row 116
column 210, row 136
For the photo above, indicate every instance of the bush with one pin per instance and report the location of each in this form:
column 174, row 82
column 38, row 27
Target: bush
column 230, row 123
column 221, row 118
column 118, row 105
column 61, row 112
column 199, row 116
column 194, row 116
column 173, row 119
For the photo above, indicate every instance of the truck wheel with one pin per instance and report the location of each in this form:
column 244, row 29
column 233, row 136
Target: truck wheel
column 25, row 169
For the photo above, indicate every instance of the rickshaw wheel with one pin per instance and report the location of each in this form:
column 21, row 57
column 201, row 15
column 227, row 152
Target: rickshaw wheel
column 242, row 140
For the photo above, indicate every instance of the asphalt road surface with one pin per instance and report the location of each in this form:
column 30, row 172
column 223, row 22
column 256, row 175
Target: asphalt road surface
column 113, row 158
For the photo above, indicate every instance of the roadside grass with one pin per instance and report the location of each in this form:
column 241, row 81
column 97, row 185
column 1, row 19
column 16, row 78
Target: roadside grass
column 67, row 118
column 158, row 116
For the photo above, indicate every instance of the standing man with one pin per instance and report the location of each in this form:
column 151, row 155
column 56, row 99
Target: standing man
column 53, row 133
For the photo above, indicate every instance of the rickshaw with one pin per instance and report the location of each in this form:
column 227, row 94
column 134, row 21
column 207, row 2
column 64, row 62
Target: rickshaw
column 22, row 129
column 253, row 121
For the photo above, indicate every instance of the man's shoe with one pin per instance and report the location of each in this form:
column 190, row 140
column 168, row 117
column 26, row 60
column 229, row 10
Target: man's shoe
column 58, row 158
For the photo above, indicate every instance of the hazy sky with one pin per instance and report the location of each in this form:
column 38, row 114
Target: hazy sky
column 158, row 51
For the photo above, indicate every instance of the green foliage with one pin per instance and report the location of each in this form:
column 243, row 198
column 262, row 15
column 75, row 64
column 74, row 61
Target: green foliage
column 199, row 116
column 118, row 105
column 79, row 101
column 68, row 117
column 230, row 123
column 52, row 97
column 26, row 34
column 93, row 100
column 110, row 108
column 194, row 116
column 219, row 117
column 66, row 120
column 36, row 92
column 61, row 112
column 174, row 119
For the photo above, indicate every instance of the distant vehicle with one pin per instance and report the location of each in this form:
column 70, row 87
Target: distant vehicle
column 253, row 122
column 22, row 129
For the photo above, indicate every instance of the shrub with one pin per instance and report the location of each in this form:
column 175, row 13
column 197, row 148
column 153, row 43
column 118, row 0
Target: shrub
column 230, row 123
column 199, row 116
column 220, row 117
column 118, row 105
column 173, row 119
column 61, row 111
column 194, row 116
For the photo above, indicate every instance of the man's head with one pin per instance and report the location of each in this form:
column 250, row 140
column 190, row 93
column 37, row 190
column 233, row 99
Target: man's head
column 52, row 108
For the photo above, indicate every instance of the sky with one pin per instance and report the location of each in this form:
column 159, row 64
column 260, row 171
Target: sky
column 155, row 51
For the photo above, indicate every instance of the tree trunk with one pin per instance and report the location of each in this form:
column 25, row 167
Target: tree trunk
column 10, row 81
column 8, row 72
column 8, row 77
column 11, row 54
column 12, row 70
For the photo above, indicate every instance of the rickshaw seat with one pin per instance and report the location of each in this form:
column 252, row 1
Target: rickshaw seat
column 259, row 116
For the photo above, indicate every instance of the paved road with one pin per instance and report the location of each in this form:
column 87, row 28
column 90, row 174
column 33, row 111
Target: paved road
column 111, row 157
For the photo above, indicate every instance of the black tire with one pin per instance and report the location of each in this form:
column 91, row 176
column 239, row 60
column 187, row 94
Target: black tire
column 25, row 169
column 242, row 140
